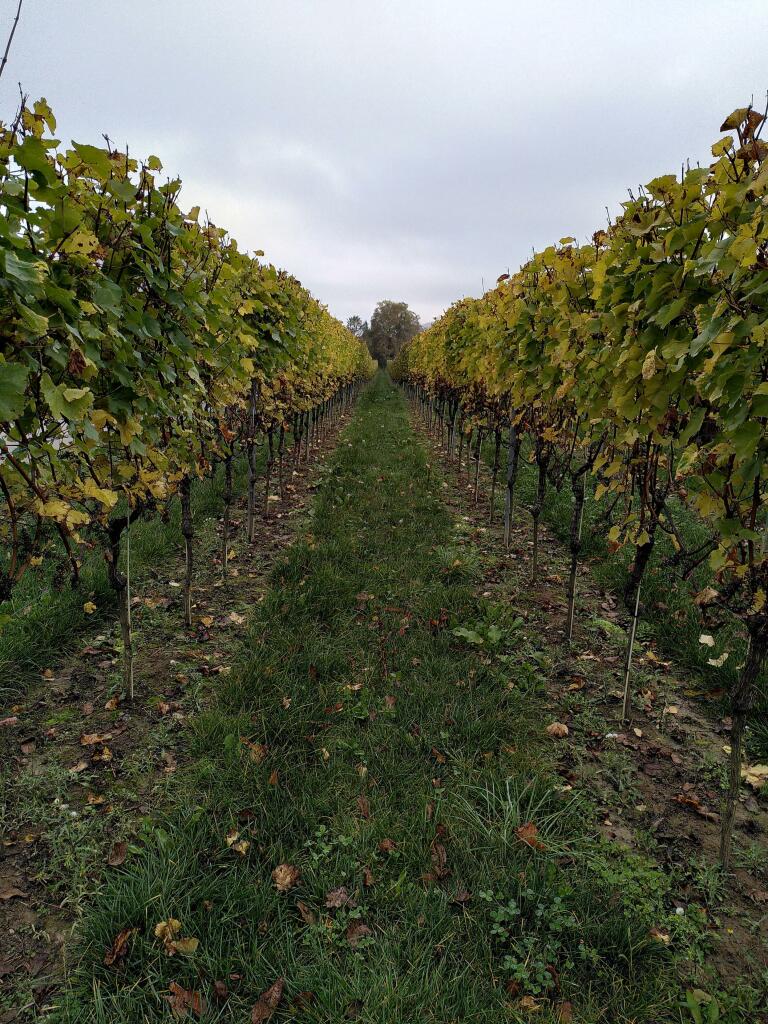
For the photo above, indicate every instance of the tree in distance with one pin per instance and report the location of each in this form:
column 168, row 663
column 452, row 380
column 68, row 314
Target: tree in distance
column 392, row 324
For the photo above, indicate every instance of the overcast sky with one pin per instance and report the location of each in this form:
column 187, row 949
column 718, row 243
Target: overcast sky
column 402, row 149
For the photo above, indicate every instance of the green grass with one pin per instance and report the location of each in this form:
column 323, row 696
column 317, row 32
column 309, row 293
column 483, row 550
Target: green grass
column 46, row 619
column 354, row 679
column 669, row 614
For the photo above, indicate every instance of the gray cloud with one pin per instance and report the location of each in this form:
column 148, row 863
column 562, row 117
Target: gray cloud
column 392, row 149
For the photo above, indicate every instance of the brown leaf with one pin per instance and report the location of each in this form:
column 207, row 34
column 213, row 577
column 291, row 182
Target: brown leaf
column 182, row 1000
column 529, row 1004
column 222, row 990
column 363, row 807
column 356, row 932
column 440, row 860
column 90, row 739
column 528, row 834
column 564, row 1013
column 462, row 897
column 303, row 1000
column 307, row 915
column 258, row 751
column 387, row 845
column 268, row 1002
column 438, row 756
column 169, row 762
column 274, row 777
column 119, row 948
column 557, row 730
column 285, row 877
column 117, row 854
column 368, row 879
column 339, row 898
column 11, row 892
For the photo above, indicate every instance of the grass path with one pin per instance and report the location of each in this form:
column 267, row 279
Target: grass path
column 369, row 814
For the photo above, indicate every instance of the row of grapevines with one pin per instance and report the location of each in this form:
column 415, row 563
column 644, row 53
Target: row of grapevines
column 139, row 349
column 639, row 360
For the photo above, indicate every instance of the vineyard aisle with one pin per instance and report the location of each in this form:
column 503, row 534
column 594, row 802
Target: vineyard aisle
column 368, row 828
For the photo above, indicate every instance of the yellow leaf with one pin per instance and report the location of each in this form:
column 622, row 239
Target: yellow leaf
column 107, row 498
column 649, row 365
column 89, row 607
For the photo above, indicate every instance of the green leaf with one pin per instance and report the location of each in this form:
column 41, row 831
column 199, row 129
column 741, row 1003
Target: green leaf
column 746, row 439
column 95, row 158
column 65, row 402
column 24, row 271
column 13, row 380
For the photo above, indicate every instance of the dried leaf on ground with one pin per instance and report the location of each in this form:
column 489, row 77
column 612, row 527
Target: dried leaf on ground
column 557, row 730
column 529, row 834
column 339, row 898
column 117, row 854
column 268, row 1002
column 119, row 948
column 356, row 932
column 182, row 1000
column 285, row 877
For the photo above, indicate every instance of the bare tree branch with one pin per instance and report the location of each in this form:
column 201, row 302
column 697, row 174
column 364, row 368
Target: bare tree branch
column 10, row 38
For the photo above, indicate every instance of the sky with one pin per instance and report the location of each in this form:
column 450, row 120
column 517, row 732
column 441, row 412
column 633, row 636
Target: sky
column 395, row 149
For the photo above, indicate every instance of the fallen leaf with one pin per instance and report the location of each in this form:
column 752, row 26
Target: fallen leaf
column 90, row 739
column 755, row 775
column 564, row 1013
column 186, row 946
column 89, row 607
column 368, row 878
column 339, row 898
column 307, row 915
column 363, row 807
column 462, row 897
column 530, row 1005
column 117, row 854
column 707, row 640
column 528, row 834
column 658, row 935
column 221, row 989
column 303, row 1000
column 285, row 877
column 11, row 893
column 439, row 861
column 119, row 948
column 356, row 932
column 387, row 845
column 182, row 999
column 258, row 751
column 268, row 1002
column 234, row 842
column 237, row 619
column 557, row 730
